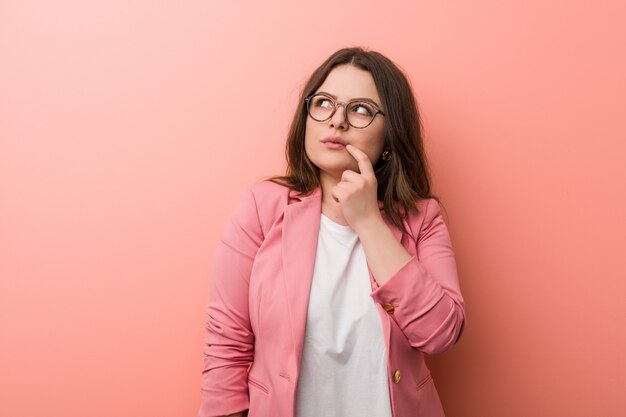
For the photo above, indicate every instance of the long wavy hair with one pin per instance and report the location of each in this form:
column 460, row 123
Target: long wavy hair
column 404, row 179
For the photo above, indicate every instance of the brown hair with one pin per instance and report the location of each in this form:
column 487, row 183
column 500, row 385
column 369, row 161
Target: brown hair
column 404, row 179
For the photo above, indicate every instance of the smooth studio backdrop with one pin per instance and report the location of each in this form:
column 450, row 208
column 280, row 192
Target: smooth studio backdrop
column 128, row 130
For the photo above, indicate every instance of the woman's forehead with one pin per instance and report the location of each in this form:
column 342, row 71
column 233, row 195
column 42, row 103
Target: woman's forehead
column 347, row 82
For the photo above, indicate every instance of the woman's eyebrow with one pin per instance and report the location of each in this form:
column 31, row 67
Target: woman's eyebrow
column 354, row 99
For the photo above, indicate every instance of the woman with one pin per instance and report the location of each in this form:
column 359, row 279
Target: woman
column 332, row 282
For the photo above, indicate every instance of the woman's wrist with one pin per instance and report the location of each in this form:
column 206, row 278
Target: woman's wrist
column 369, row 225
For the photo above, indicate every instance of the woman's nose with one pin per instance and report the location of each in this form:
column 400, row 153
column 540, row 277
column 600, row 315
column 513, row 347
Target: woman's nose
column 339, row 118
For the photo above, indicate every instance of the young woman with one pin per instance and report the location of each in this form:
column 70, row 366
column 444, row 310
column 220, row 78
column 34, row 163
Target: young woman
column 331, row 283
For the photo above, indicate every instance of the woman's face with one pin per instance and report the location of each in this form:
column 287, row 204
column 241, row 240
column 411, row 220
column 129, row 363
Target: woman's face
column 344, row 83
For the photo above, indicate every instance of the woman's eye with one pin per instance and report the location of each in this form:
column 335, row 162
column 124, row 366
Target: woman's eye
column 362, row 109
column 323, row 102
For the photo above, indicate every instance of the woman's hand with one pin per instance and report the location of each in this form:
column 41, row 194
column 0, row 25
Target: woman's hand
column 357, row 193
column 357, row 196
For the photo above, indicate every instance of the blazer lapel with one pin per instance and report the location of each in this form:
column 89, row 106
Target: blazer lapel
column 300, row 234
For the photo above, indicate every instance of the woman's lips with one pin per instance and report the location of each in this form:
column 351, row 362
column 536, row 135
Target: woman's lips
column 334, row 142
column 334, row 145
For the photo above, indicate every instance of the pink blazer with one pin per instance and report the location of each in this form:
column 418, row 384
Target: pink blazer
column 257, row 308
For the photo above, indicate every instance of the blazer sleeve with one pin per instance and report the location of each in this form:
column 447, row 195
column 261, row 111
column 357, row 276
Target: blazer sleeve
column 228, row 348
column 424, row 297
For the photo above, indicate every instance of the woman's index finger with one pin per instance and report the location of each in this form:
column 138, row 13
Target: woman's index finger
column 365, row 165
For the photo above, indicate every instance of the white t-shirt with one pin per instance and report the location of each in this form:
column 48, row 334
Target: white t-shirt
column 344, row 363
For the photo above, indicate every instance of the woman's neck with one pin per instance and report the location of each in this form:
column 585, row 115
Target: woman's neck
column 330, row 207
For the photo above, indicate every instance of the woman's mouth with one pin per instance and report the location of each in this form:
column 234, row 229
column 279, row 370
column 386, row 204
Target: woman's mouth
column 334, row 142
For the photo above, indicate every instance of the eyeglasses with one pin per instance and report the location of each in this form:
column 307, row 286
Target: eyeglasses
column 359, row 114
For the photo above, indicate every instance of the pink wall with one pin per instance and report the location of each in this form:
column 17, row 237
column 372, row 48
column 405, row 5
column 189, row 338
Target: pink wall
column 127, row 132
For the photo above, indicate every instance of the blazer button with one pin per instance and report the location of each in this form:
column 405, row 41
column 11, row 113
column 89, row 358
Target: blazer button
column 389, row 308
column 397, row 376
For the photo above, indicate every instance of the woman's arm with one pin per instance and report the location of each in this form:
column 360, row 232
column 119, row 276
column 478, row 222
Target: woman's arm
column 385, row 255
column 421, row 293
column 229, row 343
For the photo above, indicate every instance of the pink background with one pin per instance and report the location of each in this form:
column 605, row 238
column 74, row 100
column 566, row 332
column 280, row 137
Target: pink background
column 128, row 131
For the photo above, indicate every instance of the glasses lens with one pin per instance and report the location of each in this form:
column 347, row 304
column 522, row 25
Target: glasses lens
column 321, row 107
column 360, row 114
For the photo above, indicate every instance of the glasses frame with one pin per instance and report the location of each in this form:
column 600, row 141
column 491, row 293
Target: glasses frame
column 345, row 105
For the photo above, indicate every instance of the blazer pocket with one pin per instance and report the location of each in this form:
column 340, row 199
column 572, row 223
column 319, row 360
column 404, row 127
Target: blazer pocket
column 258, row 385
column 423, row 382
